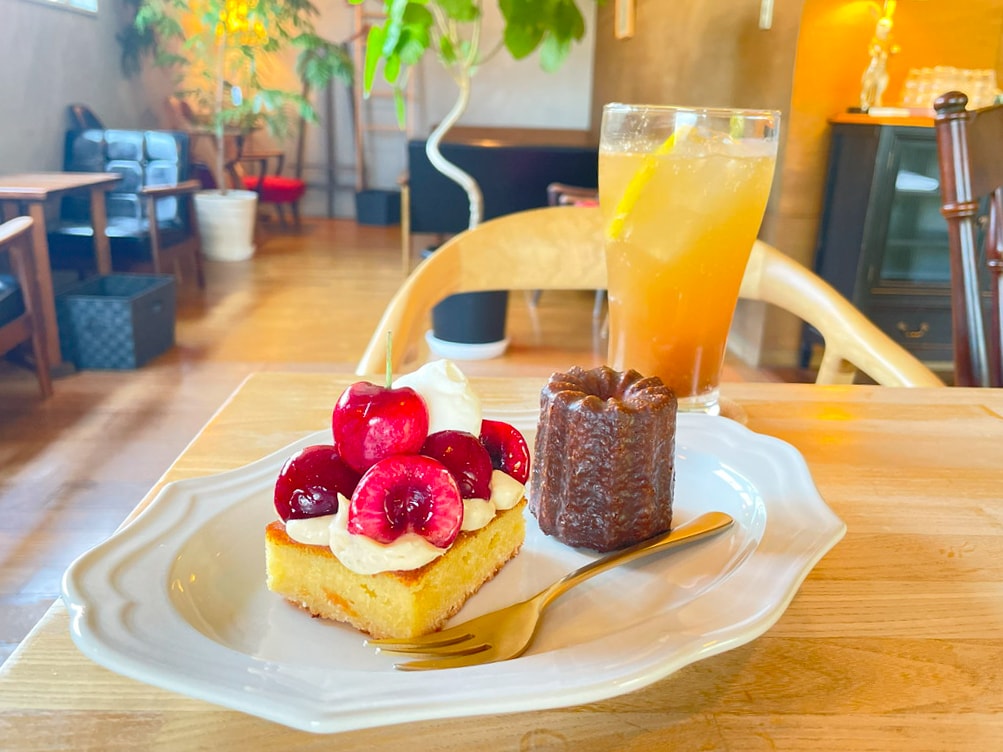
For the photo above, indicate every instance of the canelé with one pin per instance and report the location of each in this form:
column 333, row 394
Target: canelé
column 604, row 461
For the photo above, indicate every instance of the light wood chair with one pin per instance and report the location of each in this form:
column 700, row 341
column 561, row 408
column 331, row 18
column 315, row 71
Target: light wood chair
column 20, row 315
column 560, row 248
column 970, row 155
column 562, row 194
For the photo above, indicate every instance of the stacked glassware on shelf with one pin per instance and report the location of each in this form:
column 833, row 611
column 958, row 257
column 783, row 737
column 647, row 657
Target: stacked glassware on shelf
column 923, row 86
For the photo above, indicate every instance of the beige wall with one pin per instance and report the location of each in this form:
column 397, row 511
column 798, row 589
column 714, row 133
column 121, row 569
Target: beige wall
column 52, row 57
column 808, row 66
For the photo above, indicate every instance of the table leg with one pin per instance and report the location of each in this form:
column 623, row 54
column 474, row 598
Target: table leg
column 99, row 221
column 40, row 245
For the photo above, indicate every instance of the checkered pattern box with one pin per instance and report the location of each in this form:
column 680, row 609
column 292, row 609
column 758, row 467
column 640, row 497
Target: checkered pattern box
column 118, row 321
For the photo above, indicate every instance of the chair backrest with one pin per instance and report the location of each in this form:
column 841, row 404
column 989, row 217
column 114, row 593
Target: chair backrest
column 970, row 154
column 21, row 299
column 560, row 248
column 80, row 117
column 143, row 159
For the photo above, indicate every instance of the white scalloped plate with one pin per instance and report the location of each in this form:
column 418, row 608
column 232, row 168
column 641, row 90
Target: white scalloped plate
column 177, row 598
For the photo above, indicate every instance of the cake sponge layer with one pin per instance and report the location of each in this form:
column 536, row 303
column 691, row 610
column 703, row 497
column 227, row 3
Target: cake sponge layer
column 392, row 604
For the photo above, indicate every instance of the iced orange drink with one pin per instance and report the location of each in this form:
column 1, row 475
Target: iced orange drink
column 683, row 194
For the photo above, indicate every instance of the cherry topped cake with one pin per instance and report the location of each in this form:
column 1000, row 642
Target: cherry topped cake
column 604, row 458
column 417, row 502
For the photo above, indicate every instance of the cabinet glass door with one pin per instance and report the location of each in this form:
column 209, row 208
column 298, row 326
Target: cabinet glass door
column 916, row 240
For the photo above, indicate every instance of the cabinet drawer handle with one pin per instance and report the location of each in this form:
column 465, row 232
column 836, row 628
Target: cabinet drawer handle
column 913, row 333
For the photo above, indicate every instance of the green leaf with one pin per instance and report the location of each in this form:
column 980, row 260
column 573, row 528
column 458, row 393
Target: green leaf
column 416, row 14
column 400, row 106
column 374, row 49
column 412, row 46
column 522, row 40
column 391, row 69
column 416, row 37
column 393, row 25
column 460, row 10
column 446, row 51
column 568, row 21
column 553, row 52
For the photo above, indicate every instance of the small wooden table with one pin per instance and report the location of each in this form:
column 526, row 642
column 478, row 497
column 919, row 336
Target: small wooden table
column 893, row 642
column 28, row 193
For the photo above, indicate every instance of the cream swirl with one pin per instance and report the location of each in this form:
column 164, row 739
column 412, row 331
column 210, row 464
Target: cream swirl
column 452, row 404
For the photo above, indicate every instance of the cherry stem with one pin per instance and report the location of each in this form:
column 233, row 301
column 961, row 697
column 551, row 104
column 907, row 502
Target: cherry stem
column 390, row 368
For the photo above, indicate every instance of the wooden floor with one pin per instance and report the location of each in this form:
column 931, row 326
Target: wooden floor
column 72, row 467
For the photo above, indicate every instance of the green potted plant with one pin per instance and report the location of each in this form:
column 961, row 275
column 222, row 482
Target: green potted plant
column 453, row 30
column 218, row 48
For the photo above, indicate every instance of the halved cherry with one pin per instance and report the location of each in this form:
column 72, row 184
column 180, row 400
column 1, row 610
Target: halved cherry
column 507, row 448
column 310, row 481
column 407, row 493
column 465, row 457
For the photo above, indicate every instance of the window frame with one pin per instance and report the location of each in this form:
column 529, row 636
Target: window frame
column 73, row 6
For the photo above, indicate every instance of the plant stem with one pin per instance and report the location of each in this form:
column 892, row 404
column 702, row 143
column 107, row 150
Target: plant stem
column 220, row 128
column 390, row 362
column 461, row 71
column 443, row 165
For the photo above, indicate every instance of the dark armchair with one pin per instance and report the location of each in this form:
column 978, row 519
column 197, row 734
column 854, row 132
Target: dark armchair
column 151, row 213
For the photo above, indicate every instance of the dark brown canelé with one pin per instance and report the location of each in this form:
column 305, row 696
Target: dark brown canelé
column 604, row 461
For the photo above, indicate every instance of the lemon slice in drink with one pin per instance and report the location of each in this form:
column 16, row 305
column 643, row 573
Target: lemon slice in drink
column 641, row 179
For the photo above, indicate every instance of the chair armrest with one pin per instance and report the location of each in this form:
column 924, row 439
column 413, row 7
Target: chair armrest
column 14, row 228
column 163, row 191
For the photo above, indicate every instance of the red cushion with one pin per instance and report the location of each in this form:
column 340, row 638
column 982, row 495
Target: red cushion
column 277, row 189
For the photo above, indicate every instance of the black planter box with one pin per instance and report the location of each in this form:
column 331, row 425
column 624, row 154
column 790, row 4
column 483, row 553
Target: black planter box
column 471, row 317
column 118, row 321
column 378, row 207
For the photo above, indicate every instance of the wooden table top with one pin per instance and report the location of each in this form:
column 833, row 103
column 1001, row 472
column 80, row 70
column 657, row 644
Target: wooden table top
column 38, row 186
column 893, row 642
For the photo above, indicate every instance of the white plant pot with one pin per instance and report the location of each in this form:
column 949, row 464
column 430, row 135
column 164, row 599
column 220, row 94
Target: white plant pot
column 226, row 223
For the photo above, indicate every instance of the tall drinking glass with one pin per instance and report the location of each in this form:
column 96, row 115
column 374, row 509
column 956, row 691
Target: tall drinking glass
column 682, row 192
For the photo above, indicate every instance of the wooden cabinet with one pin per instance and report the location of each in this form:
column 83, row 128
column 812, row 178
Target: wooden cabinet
column 882, row 241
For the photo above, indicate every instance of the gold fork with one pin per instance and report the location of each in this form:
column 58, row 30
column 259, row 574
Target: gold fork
column 506, row 633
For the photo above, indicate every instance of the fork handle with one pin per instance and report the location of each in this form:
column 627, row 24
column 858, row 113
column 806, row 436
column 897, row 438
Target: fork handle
column 702, row 527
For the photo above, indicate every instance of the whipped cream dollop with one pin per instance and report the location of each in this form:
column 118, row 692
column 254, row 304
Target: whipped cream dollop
column 506, row 492
column 452, row 404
